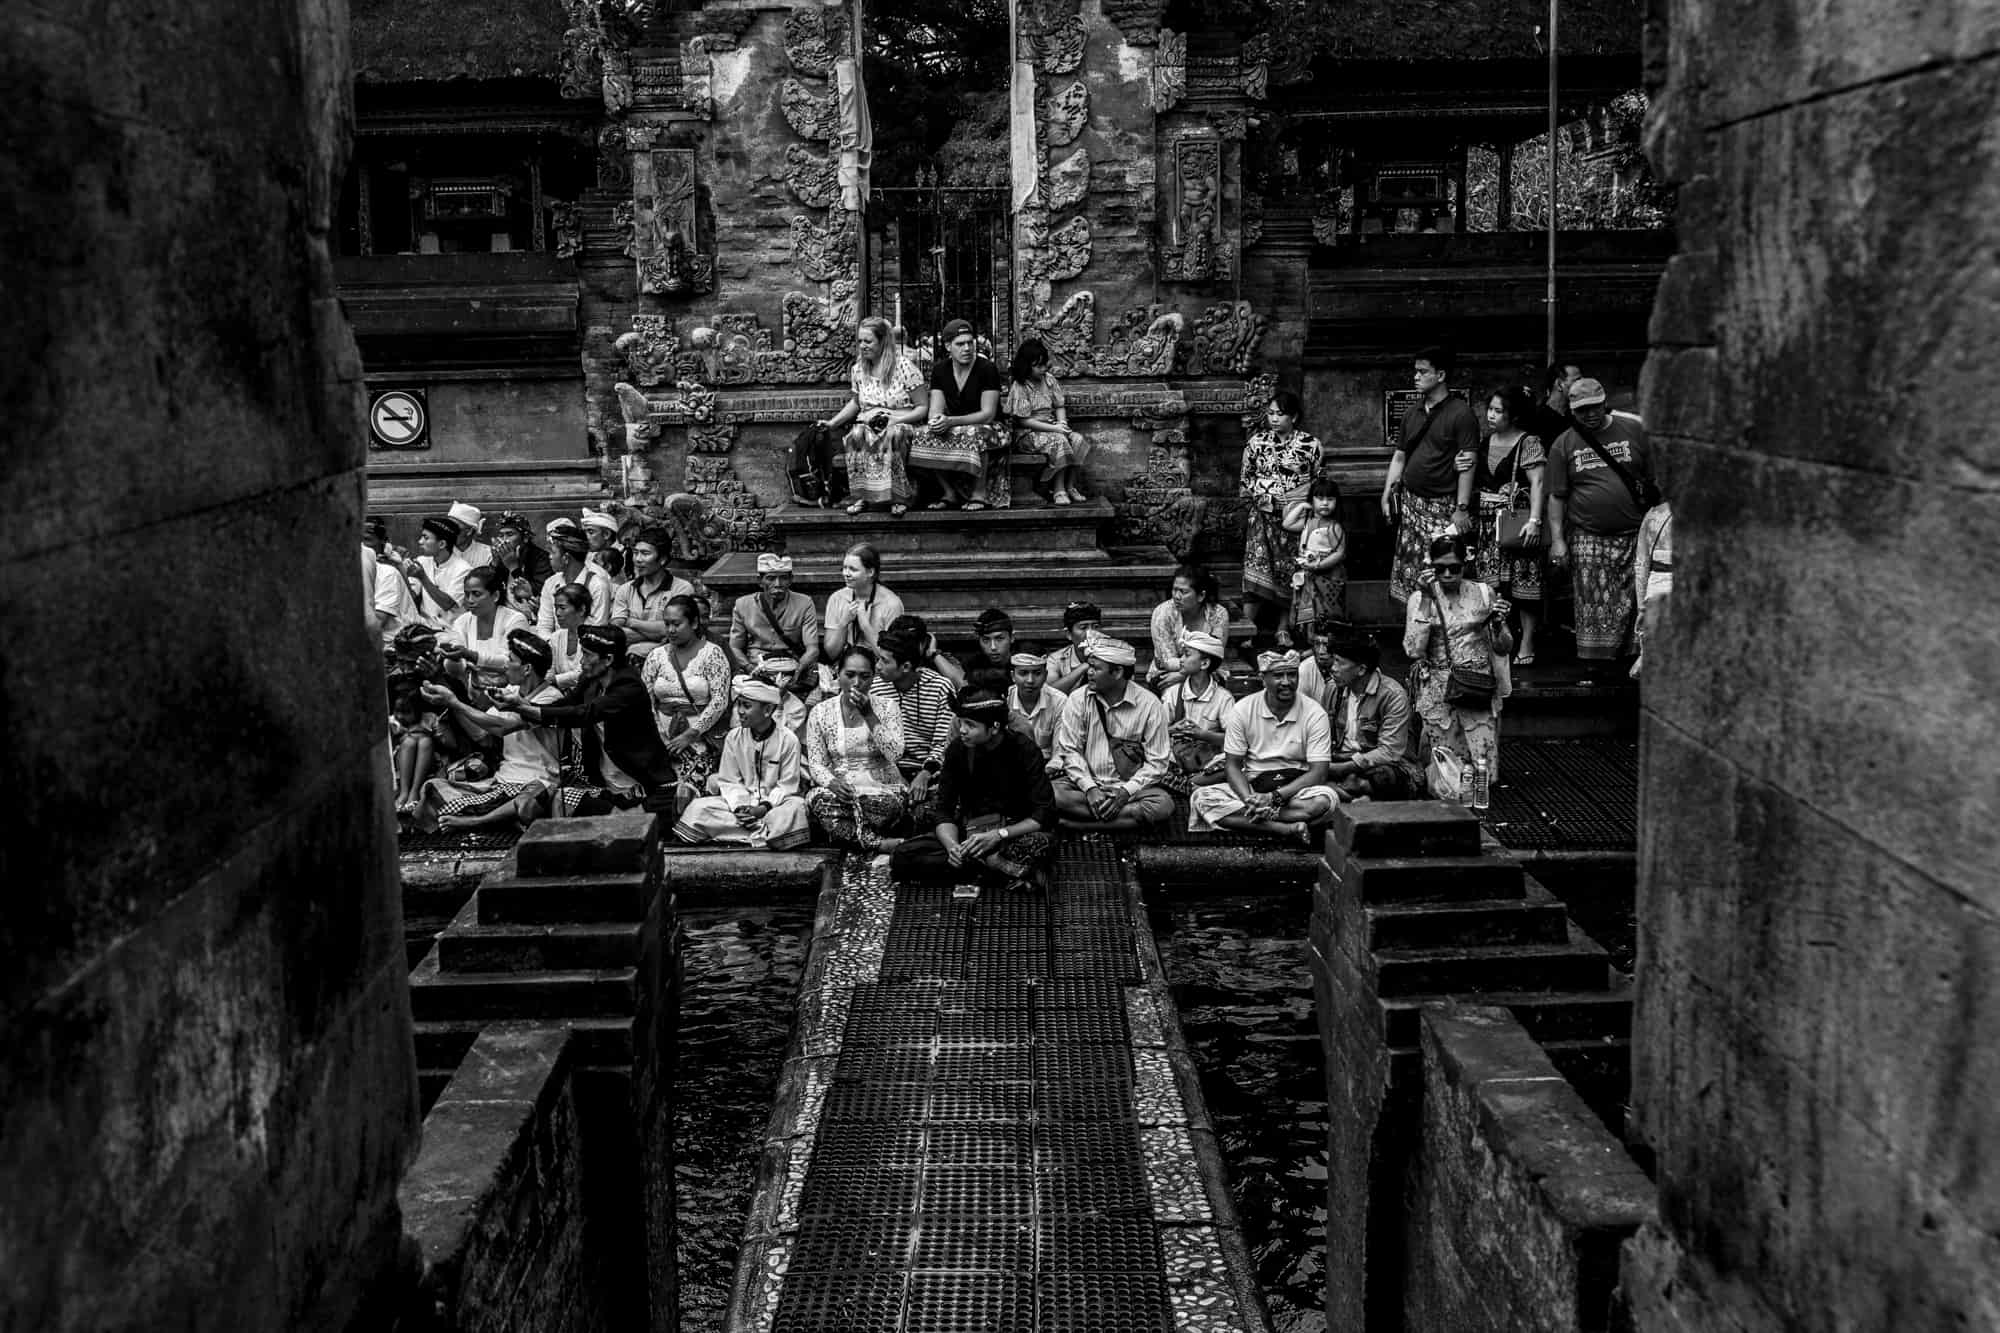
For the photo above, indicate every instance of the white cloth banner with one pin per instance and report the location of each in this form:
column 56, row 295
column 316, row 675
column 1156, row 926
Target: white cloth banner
column 857, row 135
column 1026, row 166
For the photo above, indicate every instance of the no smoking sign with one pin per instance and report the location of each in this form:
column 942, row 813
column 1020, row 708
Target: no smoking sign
column 399, row 419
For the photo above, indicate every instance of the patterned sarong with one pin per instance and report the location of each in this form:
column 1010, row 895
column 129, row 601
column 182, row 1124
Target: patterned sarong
column 1269, row 556
column 979, row 452
column 1601, row 574
column 1424, row 517
column 875, row 467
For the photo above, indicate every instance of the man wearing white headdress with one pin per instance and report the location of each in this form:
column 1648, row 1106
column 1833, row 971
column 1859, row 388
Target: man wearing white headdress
column 1276, row 747
column 470, row 521
column 755, row 800
column 1111, row 745
column 775, row 621
column 600, row 529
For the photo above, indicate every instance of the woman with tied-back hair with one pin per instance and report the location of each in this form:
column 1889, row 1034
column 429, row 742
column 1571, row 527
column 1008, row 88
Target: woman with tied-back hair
column 861, row 608
column 888, row 404
column 1279, row 464
column 572, row 604
column 1035, row 407
column 853, row 741
column 688, row 679
column 478, row 638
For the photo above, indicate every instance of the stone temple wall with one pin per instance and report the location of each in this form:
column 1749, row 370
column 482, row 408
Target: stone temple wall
column 1817, row 1054
column 207, row 1090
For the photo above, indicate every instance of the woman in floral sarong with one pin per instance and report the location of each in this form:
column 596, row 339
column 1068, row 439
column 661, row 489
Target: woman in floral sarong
column 1279, row 464
column 964, row 441
column 887, row 406
column 1034, row 404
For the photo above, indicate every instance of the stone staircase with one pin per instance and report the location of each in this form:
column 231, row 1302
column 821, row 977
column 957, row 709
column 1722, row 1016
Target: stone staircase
column 1416, row 904
column 948, row 566
column 566, row 929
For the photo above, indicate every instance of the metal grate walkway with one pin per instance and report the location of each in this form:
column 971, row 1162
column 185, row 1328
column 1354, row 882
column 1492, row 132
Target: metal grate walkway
column 991, row 1123
column 1567, row 795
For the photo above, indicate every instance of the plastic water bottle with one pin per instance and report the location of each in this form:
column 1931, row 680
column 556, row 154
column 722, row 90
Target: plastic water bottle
column 1476, row 788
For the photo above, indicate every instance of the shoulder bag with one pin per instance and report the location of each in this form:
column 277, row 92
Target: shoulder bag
column 1193, row 755
column 1644, row 493
column 1127, row 754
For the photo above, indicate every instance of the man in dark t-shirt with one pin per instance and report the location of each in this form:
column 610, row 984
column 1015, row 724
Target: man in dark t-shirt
column 963, row 442
column 1429, row 487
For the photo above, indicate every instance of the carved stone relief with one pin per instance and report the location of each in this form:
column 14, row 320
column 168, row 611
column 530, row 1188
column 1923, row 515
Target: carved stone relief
column 614, row 168
column 1139, row 20
column 666, row 239
column 1192, row 248
column 650, row 351
column 698, row 77
column 568, row 229
column 617, row 83
column 580, row 74
column 1059, row 48
column 825, row 251
column 1064, row 114
column 807, row 43
column 1225, row 340
column 812, row 115
column 812, row 178
column 1253, row 220
column 1169, row 69
column 1068, row 181
column 1256, row 66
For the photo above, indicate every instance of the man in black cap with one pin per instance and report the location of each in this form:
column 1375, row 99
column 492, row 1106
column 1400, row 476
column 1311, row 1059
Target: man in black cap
column 623, row 757
column 1370, row 714
column 994, row 804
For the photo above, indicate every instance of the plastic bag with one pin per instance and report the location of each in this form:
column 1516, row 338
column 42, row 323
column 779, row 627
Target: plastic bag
column 1446, row 775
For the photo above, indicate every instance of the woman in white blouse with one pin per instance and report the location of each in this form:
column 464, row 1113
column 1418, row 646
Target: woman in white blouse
column 478, row 638
column 688, row 679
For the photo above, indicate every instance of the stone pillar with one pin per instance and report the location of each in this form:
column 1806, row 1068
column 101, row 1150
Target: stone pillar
column 207, row 1091
column 1818, row 1045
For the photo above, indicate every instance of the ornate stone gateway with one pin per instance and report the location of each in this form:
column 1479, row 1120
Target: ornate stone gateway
column 940, row 253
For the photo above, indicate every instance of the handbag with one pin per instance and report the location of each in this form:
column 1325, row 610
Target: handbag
column 1190, row 756
column 1510, row 529
column 1127, row 755
column 1644, row 493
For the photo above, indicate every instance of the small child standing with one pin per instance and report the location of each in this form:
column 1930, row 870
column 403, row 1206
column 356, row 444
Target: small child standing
column 1320, row 581
column 413, row 738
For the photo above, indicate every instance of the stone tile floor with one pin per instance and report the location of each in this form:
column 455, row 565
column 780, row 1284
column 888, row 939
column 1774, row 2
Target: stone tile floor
column 990, row 1124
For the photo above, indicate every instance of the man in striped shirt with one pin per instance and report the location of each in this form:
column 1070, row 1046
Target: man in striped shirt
column 924, row 696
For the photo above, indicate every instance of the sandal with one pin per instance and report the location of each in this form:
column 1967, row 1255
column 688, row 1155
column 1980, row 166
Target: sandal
column 898, row 510
column 936, row 505
column 1525, row 659
column 973, row 506
column 857, row 506
column 1062, row 498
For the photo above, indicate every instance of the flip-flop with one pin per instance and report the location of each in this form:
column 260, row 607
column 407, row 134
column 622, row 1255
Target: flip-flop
column 857, row 506
column 1525, row 659
column 936, row 505
column 897, row 511
column 973, row 506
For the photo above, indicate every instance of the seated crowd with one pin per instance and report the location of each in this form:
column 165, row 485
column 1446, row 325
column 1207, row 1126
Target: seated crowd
column 584, row 679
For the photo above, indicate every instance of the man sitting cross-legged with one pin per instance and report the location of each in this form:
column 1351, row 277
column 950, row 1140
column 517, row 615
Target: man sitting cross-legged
column 756, row 798
column 1111, row 745
column 1370, row 717
column 994, row 804
column 1276, row 747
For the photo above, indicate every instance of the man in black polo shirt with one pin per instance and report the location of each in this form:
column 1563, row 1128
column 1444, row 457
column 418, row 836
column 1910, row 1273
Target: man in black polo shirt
column 1430, row 482
column 995, row 806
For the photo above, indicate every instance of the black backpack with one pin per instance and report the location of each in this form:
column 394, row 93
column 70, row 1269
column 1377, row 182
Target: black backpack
column 812, row 470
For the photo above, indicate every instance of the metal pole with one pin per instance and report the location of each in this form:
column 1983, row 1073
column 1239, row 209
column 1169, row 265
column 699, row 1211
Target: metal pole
column 1549, row 296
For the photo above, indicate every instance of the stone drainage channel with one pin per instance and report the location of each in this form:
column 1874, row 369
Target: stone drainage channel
column 989, row 1120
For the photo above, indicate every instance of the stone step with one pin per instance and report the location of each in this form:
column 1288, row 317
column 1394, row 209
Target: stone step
column 950, row 593
column 1035, row 528
column 442, row 1042
column 468, row 945
column 1537, row 919
column 1402, row 829
column 1548, row 1016
column 1430, row 879
column 579, row 993
column 1600, row 1070
column 1579, row 964
column 619, row 844
column 508, row 899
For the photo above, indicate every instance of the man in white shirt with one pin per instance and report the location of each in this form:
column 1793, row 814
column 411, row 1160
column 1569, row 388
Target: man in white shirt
column 757, row 800
column 390, row 605
column 1111, row 744
column 470, row 520
column 1276, row 747
column 570, row 548
column 1033, row 705
column 437, row 575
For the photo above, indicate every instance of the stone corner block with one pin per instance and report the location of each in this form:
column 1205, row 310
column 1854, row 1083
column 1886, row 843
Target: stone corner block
column 1401, row 829
column 623, row 843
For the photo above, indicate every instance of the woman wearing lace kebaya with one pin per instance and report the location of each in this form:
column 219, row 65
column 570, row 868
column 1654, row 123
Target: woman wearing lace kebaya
column 853, row 742
column 688, row 679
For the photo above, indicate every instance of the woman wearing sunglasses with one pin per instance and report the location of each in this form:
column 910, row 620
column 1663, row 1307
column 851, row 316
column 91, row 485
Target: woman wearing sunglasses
column 1457, row 639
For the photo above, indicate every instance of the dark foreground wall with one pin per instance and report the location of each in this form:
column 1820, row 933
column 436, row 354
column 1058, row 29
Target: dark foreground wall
column 206, row 1081
column 1818, row 1054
